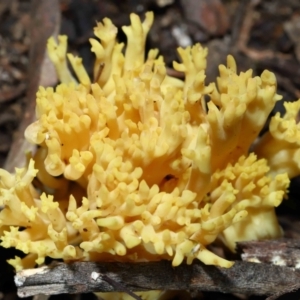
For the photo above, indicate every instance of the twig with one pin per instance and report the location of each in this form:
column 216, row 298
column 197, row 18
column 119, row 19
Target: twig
column 114, row 284
column 282, row 252
column 44, row 23
column 239, row 30
column 243, row 278
column 242, row 25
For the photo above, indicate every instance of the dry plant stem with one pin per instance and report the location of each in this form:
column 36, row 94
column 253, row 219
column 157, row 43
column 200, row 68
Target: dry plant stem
column 116, row 285
column 45, row 16
column 79, row 277
column 244, row 33
column 241, row 33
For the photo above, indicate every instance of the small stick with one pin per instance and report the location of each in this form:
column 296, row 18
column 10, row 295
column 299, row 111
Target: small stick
column 115, row 284
column 243, row 278
column 100, row 70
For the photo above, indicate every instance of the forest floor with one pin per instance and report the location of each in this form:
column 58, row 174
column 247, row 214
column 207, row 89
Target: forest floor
column 260, row 35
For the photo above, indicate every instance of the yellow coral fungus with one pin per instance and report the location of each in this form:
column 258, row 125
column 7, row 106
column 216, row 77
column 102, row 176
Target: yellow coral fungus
column 133, row 166
column 281, row 145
